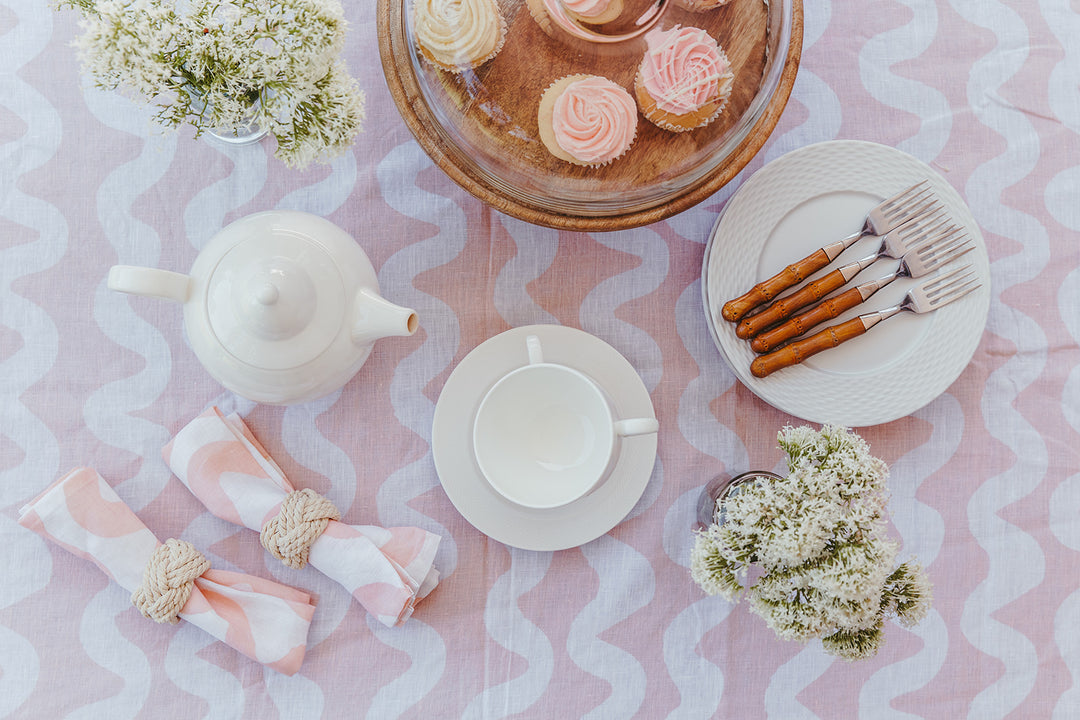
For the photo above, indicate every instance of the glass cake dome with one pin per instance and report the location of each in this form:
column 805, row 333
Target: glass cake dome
column 480, row 124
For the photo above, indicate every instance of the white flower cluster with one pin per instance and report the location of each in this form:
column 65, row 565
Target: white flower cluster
column 827, row 568
column 228, row 63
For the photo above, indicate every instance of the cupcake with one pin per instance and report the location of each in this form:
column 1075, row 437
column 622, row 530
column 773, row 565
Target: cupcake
column 700, row 5
column 586, row 12
column 592, row 12
column 587, row 120
column 684, row 79
column 457, row 35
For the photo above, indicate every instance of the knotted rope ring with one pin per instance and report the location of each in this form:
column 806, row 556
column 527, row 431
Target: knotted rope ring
column 303, row 517
column 167, row 580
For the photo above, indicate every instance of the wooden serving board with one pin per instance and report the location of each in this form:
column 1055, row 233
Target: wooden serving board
column 494, row 110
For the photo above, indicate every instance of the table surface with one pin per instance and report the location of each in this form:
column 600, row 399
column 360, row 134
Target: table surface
column 985, row 480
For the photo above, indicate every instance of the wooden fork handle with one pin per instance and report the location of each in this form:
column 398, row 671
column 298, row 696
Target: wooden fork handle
column 802, row 322
column 800, row 350
column 785, row 307
column 766, row 290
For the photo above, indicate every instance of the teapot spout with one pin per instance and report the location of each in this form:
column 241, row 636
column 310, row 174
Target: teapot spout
column 374, row 318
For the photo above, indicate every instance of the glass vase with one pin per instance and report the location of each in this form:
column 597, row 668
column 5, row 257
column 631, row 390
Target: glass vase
column 710, row 507
column 246, row 132
column 244, row 135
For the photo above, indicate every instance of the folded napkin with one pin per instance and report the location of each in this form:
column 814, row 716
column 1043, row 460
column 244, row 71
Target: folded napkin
column 262, row 619
column 386, row 569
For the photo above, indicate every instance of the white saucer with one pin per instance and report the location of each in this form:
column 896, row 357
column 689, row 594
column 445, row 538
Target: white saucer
column 798, row 203
column 557, row 528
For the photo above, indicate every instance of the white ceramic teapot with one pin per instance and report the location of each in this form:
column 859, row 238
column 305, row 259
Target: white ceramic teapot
column 281, row 307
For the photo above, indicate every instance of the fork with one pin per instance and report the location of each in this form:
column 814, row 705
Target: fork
column 895, row 243
column 934, row 293
column 915, row 263
column 915, row 201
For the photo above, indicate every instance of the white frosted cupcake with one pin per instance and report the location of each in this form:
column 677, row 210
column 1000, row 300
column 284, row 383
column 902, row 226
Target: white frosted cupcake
column 587, row 120
column 593, row 12
column 457, row 35
column 684, row 79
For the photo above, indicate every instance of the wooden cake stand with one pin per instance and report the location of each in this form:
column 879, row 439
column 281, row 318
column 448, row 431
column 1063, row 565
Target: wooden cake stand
column 480, row 127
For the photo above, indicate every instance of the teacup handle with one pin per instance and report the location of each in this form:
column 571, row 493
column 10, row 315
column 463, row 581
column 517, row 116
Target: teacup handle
column 636, row 426
column 536, row 353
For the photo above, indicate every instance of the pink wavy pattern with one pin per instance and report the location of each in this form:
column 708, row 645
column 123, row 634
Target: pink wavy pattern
column 984, row 91
column 266, row 621
column 387, row 570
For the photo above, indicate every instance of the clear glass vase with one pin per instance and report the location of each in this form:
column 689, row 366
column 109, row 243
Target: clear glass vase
column 246, row 133
column 710, row 507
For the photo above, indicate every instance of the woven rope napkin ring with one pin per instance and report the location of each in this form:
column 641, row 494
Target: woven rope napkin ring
column 303, row 517
column 167, row 580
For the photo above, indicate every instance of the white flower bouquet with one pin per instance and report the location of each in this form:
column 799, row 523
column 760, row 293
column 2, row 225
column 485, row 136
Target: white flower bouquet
column 818, row 539
column 231, row 63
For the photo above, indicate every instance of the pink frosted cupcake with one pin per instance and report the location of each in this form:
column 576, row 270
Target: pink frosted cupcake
column 593, row 12
column 587, row 120
column 684, row 80
column 587, row 12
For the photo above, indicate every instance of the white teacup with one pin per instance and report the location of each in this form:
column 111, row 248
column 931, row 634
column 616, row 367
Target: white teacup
column 545, row 434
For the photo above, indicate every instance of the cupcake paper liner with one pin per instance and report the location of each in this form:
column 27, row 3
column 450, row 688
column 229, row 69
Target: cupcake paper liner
column 658, row 117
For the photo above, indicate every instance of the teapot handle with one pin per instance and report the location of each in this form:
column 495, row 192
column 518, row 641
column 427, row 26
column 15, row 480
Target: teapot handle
column 149, row 282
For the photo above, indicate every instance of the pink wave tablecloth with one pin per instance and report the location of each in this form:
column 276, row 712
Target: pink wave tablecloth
column 985, row 480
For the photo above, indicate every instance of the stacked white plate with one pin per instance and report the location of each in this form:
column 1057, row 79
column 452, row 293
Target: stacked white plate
column 795, row 205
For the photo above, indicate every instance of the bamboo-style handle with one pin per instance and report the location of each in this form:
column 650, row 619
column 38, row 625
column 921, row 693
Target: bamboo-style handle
column 766, row 290
column 751, row 326
column 802, row 322
column 800, row 350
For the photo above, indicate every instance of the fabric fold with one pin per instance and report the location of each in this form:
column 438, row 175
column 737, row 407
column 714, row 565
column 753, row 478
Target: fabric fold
column 265, row 620
column 387, row 570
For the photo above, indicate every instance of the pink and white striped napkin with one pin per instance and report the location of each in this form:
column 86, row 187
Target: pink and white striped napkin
column 264, row 620
column 386, row 569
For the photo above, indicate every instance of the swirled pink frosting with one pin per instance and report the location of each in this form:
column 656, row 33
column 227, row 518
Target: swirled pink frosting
column 586, row 8
column 594, row 120
column 681, row 68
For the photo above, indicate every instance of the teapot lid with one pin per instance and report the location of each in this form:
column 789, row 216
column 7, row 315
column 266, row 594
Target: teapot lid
column 276, row 300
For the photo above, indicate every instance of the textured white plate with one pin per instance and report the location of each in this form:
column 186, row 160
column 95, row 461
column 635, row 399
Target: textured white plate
column 793, row 206
column 490, row 513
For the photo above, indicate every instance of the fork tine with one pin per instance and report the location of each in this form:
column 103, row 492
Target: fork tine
column 906, row 194
column 955, row 294
column 904, row 198
column 942, row 238
column 921, row 228
column 935, row 282
column 929, row 240
column 938, row 238
column 900, row 215
column 957, row 286
column 919, row 205
column 941, row 282
column 950, row 248
column 914, row 194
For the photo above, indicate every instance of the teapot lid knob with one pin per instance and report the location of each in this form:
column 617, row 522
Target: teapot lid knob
column 276, row 301
column 267, row 294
